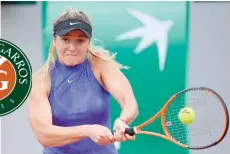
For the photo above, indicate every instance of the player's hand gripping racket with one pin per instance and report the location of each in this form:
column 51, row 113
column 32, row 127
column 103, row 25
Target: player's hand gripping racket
column 204, row 129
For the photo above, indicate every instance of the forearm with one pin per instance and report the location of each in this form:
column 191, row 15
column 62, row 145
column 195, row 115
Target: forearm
column 129, row 112
column 58, row 136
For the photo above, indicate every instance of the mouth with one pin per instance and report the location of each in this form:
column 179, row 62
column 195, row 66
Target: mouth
column 71, row 55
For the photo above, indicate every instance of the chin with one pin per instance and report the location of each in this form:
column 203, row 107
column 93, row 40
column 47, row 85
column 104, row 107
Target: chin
column 72, row 62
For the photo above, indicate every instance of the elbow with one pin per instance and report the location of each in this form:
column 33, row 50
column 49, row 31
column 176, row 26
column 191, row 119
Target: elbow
column 43, row 141
column 43, row 138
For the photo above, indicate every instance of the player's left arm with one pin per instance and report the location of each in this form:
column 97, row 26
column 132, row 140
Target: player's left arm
column 120, row 88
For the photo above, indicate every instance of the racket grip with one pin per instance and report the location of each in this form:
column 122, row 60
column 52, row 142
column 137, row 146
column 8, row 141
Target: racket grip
column 130, row 131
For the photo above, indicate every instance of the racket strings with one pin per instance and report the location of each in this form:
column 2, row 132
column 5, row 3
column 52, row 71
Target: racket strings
column 177, row 131
column 208, row 124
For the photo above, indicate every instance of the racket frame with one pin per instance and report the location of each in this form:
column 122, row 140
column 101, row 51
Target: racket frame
column 167, row 136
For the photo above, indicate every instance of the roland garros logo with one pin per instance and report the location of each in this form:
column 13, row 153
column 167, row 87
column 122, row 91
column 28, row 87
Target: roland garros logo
column 15, row 77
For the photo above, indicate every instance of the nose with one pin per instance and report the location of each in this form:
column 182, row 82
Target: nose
column 72, row 47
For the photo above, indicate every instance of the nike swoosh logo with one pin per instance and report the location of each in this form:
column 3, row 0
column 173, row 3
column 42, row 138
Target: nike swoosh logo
column 70, row 81
column 74, row 23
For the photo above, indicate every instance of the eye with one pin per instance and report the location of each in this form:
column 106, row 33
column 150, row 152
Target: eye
column 80, row 40
column 65, row 40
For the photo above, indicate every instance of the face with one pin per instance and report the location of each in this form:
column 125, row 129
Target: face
column 71, row 48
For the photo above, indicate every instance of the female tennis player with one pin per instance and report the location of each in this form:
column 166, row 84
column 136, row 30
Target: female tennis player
column 69, row 107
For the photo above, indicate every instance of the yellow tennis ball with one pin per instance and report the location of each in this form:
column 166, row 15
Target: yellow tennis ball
column 187, row 115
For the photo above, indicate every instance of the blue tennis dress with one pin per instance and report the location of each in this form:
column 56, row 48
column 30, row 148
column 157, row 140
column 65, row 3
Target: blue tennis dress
column 77, row 98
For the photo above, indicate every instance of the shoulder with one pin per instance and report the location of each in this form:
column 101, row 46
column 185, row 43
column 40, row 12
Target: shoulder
column 41, row 82
column 102, row 68
column 101, row 64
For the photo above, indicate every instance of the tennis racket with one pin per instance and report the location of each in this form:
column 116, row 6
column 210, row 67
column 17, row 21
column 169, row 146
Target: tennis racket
column 208, row 129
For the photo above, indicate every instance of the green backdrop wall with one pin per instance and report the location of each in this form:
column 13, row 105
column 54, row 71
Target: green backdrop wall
column 151, row 38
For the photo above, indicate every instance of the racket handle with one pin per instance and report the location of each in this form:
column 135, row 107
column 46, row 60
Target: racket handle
column 130, row 131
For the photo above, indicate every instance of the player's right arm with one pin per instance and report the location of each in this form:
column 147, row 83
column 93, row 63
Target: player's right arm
column 49, row 135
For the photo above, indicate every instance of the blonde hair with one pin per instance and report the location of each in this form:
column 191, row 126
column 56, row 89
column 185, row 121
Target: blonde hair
column 99, row 53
